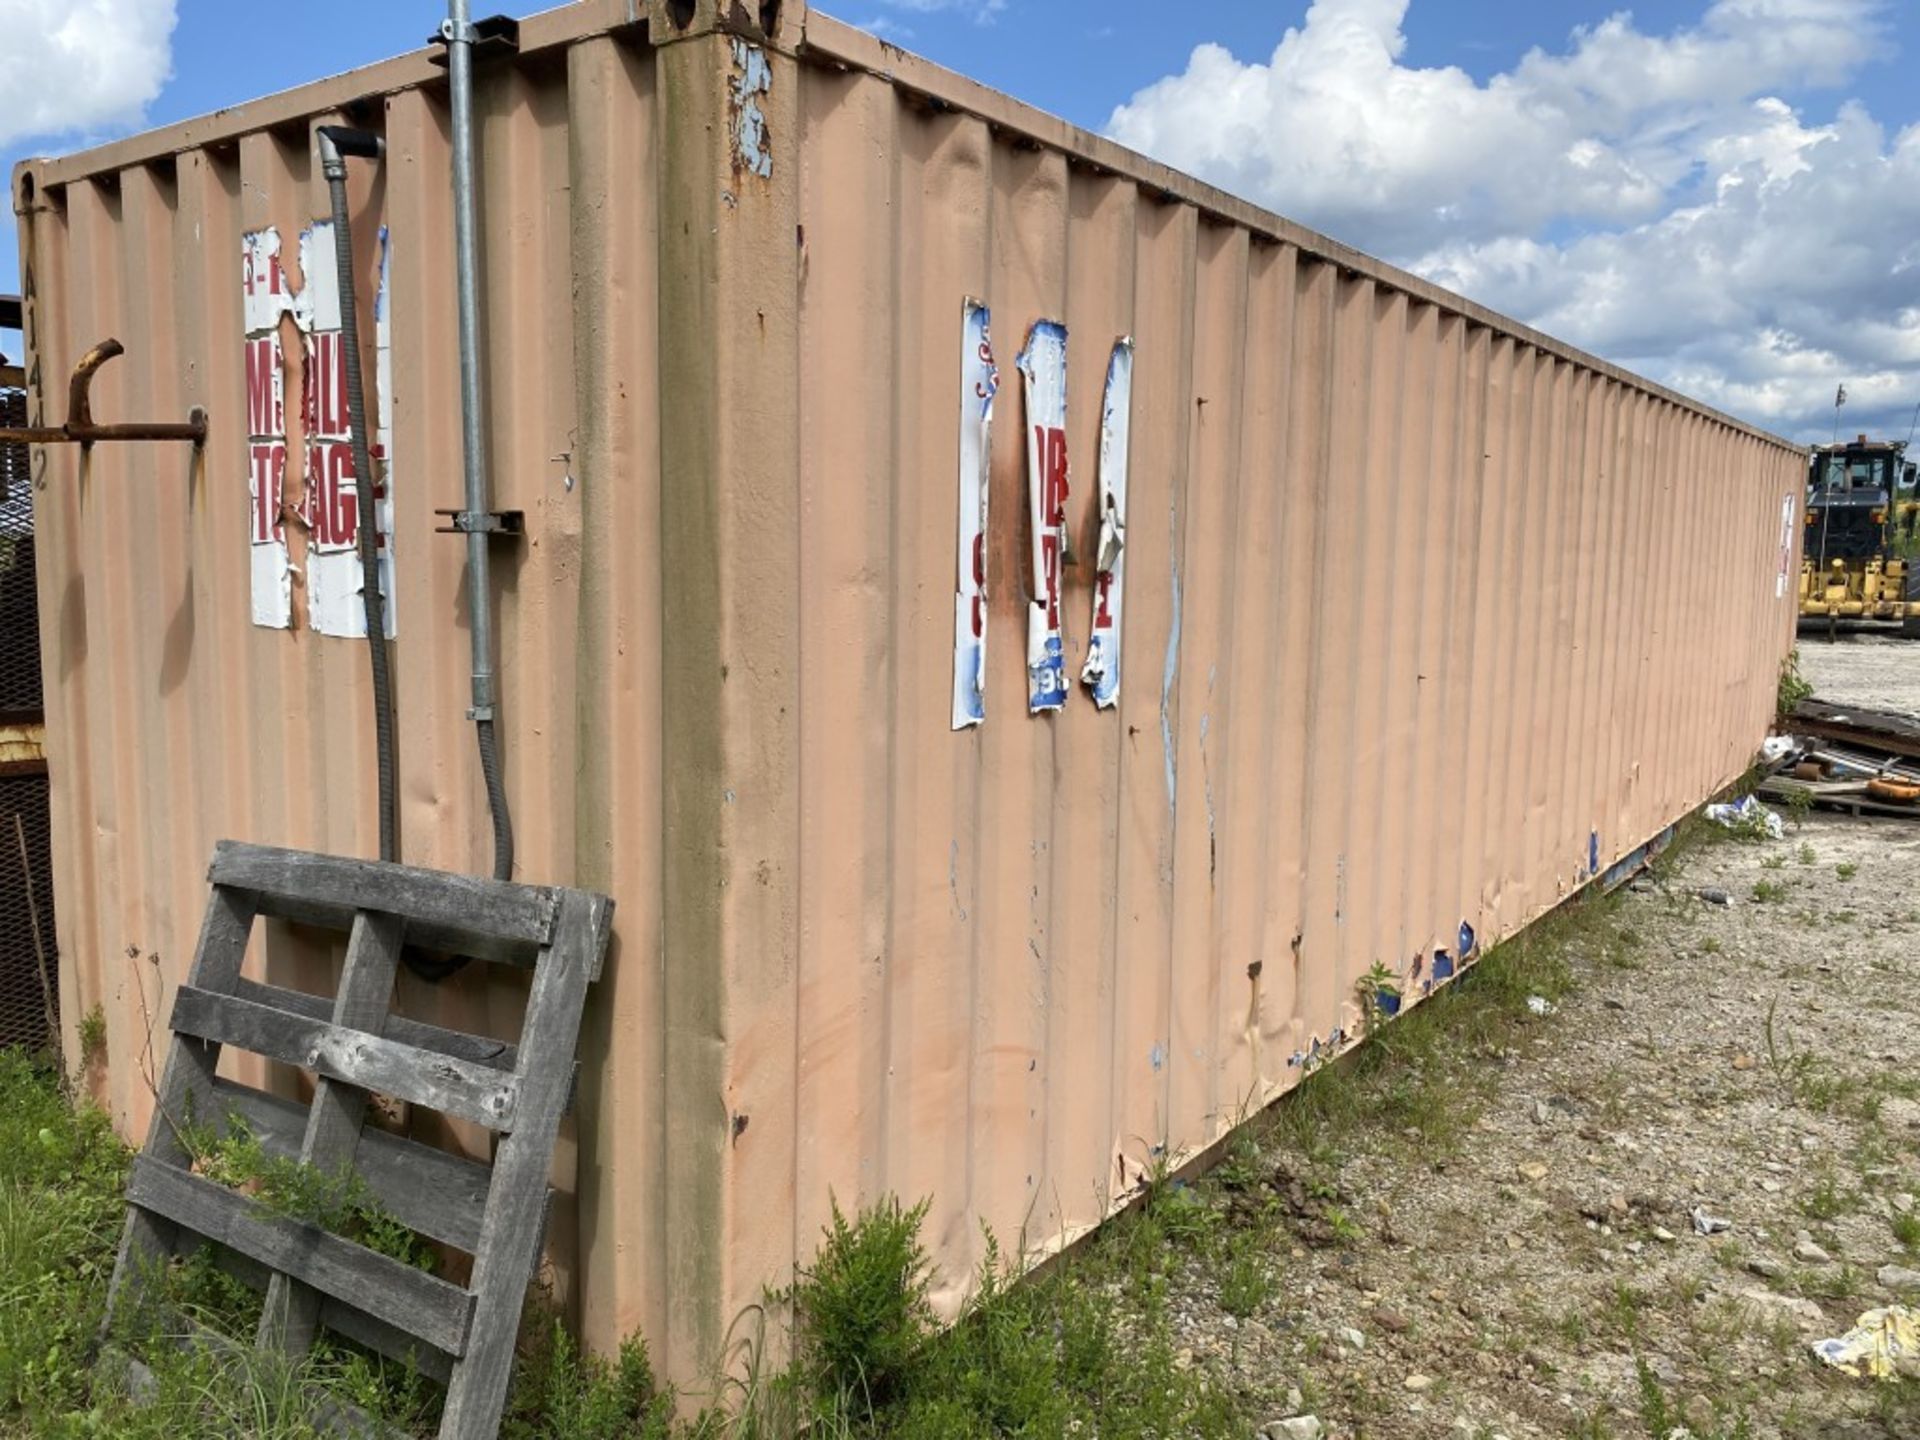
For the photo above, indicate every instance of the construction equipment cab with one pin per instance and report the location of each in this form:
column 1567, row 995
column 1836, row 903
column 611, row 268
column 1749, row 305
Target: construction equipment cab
column 1858, row 560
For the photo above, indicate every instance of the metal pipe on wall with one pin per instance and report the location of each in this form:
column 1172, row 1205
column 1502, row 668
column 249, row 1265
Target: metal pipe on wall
column 459, row 35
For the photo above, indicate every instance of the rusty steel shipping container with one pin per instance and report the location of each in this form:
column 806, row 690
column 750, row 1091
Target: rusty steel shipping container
column 1007, row 766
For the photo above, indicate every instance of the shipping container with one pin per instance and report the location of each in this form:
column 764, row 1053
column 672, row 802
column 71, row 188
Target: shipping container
column 1021, row 634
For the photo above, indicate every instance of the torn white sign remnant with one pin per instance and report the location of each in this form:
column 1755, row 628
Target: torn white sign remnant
column 264, row 298
column 1043, row 364
column 331, row 504
column 1101, row 673
column 1786, row 545
column 979, row 380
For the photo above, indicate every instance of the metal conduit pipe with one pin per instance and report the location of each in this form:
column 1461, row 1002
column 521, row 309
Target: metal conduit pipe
column 459, row 35
column 336, row 143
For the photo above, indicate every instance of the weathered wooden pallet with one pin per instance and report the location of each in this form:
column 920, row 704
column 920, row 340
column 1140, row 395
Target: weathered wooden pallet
column 353, row 1045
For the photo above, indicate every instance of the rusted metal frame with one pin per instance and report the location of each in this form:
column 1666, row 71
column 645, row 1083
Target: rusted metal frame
column 80, row 428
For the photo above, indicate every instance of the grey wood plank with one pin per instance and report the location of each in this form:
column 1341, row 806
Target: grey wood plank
column 340, row 1317
column 408, row 1299
column 440, row 1195
column 454, row 1087
column 292, row 1309
column 185, row 1089
column 511, row 1236
column 464, row 913
column 462, row 1045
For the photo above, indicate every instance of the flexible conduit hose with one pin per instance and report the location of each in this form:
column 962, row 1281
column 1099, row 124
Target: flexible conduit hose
column 336, row 143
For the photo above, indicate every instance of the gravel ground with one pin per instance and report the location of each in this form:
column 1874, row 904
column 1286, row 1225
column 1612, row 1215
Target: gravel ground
column 1752, row 1054
column 1880, row 671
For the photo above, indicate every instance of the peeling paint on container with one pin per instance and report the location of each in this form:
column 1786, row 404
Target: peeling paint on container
column 752, row 79
column 979, row 382
column 1043, row 365
column 1101, row 673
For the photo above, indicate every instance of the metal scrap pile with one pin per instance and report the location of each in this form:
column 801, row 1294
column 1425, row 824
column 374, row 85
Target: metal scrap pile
column 1866, row 762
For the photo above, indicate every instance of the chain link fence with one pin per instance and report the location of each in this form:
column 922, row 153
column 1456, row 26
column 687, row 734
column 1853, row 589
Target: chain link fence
column 29, row 988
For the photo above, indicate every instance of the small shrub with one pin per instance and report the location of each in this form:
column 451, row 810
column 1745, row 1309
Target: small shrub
column 1793, row 686
column 560, row 1394
column 861, row 1311
column 1769, row 892
column 1846, row 870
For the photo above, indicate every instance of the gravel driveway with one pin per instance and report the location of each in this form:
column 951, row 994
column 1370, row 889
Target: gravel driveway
column 1498, row 1240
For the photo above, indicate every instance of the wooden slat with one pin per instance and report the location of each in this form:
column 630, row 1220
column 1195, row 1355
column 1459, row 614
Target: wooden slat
column 186, row 1088
column 335, row 1315
column 441, row 1196
column 440, row 1082
column 292, row 1310
column 511, row 1236
column 406, row 1298
column 460, row 1044
column 465, row 914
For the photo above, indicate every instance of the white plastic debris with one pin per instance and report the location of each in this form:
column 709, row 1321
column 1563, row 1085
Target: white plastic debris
column 1775, row 748
column 1540, row 1005
column 1883, row 1344
column 1747, row 813
column 1706, row 1224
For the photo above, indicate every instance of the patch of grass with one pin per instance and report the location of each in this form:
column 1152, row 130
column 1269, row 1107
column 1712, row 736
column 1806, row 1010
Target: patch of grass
column 93, row 1036
column 1846, row 870
column 1826, row 1200
column 1774, row 862
column 338, row 1200
column 1906, row 1231
column 1769, row 892
column 1807, row 855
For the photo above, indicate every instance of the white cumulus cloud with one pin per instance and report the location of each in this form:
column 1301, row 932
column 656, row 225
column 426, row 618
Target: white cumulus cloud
column 1648, row 196
column 80, row 66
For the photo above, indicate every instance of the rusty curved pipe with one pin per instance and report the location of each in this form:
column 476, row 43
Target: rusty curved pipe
column 80, row 428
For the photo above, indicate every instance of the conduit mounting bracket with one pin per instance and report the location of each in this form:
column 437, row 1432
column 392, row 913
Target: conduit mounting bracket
column 511, row 523
column 492, row 38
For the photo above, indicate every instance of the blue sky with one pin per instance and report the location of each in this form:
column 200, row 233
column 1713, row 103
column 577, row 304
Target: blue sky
column 1638, row 181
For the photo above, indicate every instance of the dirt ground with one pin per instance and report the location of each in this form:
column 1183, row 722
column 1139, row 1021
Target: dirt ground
column 1877, row 670
column 1739, row 1036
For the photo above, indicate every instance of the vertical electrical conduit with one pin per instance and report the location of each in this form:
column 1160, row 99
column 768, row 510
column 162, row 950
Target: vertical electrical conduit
column 336, row 143
column 459, row 35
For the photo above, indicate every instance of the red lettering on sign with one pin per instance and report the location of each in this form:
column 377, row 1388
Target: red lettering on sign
column 268, row 462
column 264, row 411
column 1102, row 589
column 1051, row 443
column 332, row 503
column 324, row 401
column 979, row 586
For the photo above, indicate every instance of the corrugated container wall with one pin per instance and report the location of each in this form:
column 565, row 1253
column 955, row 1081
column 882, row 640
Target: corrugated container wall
column 1428, row 618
